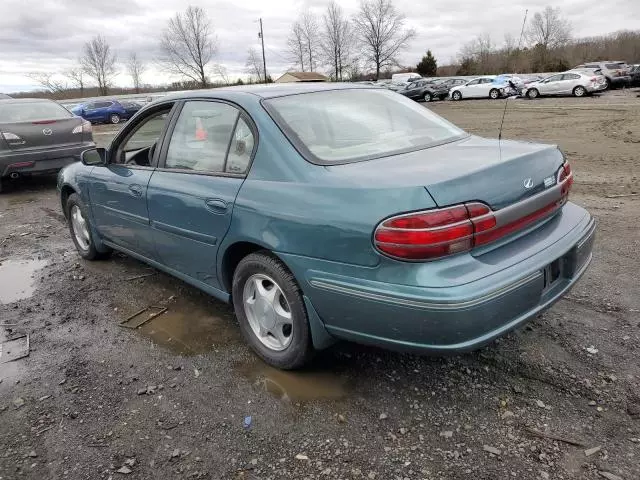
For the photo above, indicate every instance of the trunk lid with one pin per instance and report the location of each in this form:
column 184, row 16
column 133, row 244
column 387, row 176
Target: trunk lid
column 498, row 173
column 43, row 133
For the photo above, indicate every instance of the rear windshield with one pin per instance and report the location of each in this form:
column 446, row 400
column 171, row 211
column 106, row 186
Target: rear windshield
column 341, row 126
column 32, row 112
column 614, row 66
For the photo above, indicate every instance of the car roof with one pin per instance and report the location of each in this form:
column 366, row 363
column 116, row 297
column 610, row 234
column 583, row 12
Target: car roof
column 271, row 90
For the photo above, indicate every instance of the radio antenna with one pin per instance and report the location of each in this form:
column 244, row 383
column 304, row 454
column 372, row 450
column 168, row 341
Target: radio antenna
column 506, row 103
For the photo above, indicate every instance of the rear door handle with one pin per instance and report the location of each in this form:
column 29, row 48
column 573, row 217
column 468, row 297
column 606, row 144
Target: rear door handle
column 136, row 190
column 216, row 205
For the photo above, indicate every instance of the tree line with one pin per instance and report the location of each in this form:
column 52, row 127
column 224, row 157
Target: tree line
column 366, row 45
column 547, row 45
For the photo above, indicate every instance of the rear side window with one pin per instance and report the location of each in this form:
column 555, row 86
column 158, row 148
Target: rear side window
column 571, row 76
column 341, row 126
column 32, row 112
column 614, row 66
column 210, row 137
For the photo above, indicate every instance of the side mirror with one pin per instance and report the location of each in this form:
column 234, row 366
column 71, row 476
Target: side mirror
column 94, row 157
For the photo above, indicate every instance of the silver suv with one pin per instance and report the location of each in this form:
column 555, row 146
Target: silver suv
column 618, row 74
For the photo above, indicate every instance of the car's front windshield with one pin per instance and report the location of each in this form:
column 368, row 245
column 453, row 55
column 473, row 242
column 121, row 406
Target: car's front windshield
column 340, row 126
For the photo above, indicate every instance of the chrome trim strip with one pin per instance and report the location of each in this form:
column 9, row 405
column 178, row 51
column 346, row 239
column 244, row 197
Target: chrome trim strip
column 324, row 285
column 516, row 211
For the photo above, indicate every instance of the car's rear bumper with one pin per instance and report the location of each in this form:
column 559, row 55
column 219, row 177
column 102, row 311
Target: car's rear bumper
column 40, row 161
column 596, row 88
column 457, row 318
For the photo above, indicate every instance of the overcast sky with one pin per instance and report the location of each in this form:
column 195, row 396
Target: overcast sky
column 38, row 35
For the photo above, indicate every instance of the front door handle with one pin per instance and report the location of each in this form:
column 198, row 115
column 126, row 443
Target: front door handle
column 216, row 205
column 136, row 190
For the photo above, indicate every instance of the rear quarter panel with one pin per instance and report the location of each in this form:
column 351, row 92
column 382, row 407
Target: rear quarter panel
column 289, row 205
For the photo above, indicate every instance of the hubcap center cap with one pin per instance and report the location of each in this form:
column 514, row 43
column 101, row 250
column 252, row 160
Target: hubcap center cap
column 267, row 314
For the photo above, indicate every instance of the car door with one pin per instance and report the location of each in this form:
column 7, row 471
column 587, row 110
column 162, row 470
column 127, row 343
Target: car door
column 470, row 90
column 568, row 83
column 551, row 86
column 118, row 190
column 191, row 195
column 485, row 85
column 90, row 112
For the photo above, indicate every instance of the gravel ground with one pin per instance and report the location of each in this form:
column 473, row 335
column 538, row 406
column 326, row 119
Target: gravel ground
column 558, row 399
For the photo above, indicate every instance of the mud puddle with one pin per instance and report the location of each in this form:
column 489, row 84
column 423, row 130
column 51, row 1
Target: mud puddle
column 299, row 386
column 191, row 328
column 16, row 279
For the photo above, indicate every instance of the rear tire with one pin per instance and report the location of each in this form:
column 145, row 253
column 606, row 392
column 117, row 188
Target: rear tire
column 533, row 94
column 77, row 216
column 579, row 91
column 114, row 118
column 259, row 319
column 428, row 97
column 456, row 96
column 494, row 94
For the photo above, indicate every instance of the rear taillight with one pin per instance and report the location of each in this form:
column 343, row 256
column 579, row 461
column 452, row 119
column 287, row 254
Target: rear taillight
column 13, row 139
column 438, row 233
column 84, row 127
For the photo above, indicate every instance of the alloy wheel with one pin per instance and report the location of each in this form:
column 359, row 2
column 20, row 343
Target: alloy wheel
column 80, row 228
column 268, row 312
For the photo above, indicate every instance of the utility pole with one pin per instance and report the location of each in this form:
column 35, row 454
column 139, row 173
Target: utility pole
column 264, row 61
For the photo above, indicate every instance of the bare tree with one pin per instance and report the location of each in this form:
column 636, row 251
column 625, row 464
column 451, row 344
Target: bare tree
column 135, row 68
column 188, row 45
column 380, row 29
column 254, row 65
column 311, row 38
column 47, row 81
column 336, row 40
column 220, row 70
column 548, row 29
column 99, row 62
column 296, row 46
column 77, row 77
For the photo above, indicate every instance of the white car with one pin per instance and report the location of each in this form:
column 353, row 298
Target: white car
column 576, row 83
column 482, row 87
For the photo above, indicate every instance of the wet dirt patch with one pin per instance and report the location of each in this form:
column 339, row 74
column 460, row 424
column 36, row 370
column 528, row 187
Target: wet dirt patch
column 189, row 328
column 16, row 279
column 298, row 386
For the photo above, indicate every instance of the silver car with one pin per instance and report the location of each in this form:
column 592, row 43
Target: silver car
column 578, row 84
column 616, row 73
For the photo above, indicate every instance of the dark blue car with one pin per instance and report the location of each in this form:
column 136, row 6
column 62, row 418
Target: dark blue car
column 106, row 111
column 333, row 211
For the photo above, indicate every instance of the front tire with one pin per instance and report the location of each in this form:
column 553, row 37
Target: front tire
column 533, row 93
column 494, row 94
column 80, row 229
column 579, row 91
column 114, row 118
column 271, row 312
column 428, row 97
column 456, row 96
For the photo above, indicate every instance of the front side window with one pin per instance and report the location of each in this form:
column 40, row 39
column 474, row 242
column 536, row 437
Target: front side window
column 138, row 147
column 473, row 82
column 204, row 133
column 341, row 126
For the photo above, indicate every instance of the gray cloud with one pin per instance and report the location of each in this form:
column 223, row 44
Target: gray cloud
column 48, row 36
